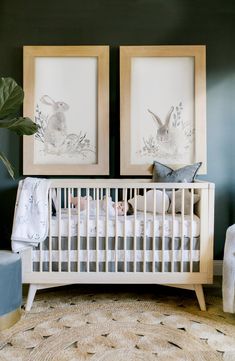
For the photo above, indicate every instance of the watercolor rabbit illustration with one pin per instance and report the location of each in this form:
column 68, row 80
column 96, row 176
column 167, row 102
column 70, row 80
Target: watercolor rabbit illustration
column 172, row 139
column 56, row 130
column 163, row 134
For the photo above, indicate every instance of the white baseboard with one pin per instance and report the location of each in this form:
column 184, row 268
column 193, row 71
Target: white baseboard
column 218, row 267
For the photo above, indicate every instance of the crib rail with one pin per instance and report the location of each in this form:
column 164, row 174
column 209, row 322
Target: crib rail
column 88, row 243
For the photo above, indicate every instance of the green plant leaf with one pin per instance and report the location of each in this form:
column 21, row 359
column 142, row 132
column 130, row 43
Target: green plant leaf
column 11, row 97
column 7, row 164
column 20, row 125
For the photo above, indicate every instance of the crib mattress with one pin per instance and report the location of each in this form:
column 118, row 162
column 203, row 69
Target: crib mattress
column 66, row 225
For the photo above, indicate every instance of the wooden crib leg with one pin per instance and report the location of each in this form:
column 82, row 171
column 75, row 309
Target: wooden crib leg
column 31, row 294
column 200, row 297
column 33, row 289
column 197, row 288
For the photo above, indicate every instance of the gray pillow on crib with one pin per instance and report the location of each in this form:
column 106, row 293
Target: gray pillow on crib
column 178, row 201
column 165, row 174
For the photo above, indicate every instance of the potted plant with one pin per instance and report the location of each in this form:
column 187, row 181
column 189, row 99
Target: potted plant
column 11, row 98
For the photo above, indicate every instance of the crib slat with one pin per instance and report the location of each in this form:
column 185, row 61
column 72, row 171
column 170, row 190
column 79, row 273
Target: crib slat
column 173, row 231
column 106, row 230
column 87, row 229
column 125, row 210
column 97, row 229
column 78, row 227
column 135, row 224
column 191, row 230
column 116, row 230
column 182, row 230
column 59, row 225
column 144, row 240
column 154, row 229
column 93, row 193
column 69, row 230
column 94, row 199
column 163, row 230
column 50, row 237
column 40, row 257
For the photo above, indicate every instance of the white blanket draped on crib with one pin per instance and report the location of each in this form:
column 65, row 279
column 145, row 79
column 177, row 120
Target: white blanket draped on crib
column 30, row 225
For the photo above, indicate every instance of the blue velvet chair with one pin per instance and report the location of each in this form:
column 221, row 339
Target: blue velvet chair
column 10, row 289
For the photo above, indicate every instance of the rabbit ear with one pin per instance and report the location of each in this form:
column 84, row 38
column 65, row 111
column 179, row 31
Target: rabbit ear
column 155, row 117
column 45, row 99
column 168, row 117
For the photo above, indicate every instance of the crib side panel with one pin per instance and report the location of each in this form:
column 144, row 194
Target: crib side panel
column 211, row 210
column 90, row 242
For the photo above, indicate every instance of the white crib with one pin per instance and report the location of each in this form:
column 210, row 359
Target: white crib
column 168, row 248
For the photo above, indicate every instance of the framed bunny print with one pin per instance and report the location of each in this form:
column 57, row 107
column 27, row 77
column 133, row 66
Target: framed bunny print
column 67, row 95
column 162, row 107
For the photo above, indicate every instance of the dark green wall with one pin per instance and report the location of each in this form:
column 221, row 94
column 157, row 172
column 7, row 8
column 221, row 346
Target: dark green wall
column 131, row 22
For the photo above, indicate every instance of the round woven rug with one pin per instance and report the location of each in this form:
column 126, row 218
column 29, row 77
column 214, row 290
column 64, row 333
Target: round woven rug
column 78, row 323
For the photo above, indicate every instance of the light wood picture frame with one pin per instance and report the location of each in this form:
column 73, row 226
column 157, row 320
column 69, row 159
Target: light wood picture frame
column 67, row 94
column 162, row 107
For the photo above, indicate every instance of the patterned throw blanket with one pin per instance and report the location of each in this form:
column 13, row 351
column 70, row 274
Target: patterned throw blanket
column 30, row 225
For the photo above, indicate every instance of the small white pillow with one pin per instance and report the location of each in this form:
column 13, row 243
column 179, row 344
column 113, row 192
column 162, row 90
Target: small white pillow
column 187, row 201
column 150, row 201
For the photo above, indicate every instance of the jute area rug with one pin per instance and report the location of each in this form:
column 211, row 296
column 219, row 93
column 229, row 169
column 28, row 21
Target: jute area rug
column 120, row 323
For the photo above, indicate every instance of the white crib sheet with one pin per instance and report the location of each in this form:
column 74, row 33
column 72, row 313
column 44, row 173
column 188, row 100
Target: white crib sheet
column 69, row 225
